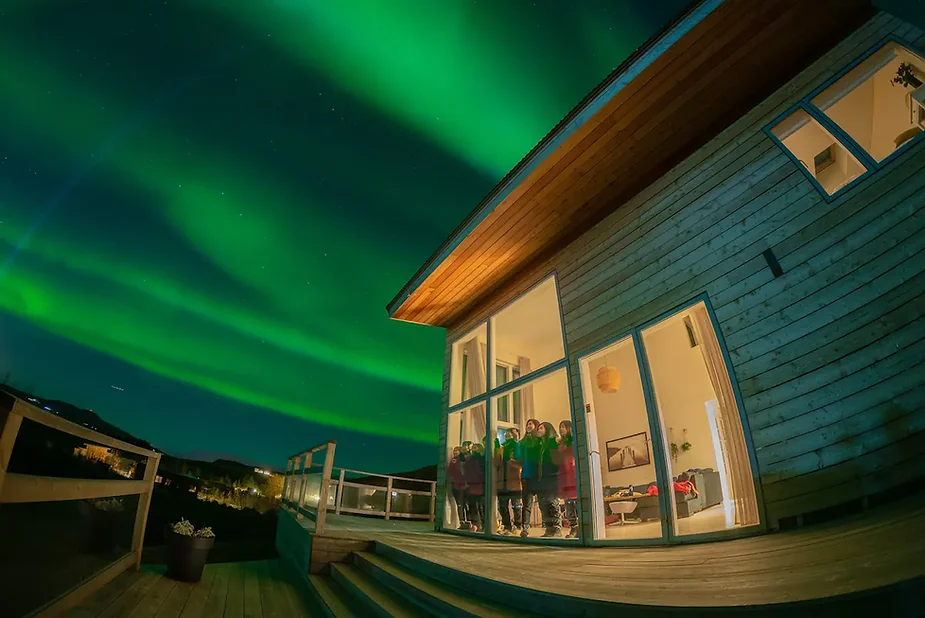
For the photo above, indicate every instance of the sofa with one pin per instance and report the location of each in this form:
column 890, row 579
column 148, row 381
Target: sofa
column 705, row 480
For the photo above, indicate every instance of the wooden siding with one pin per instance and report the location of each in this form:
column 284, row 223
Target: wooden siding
column 828, row 357
column 699, row 85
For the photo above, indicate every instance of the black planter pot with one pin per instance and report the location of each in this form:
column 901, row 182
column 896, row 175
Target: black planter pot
column 186, row 555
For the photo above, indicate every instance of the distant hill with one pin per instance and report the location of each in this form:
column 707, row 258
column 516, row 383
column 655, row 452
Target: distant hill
column 80, row 416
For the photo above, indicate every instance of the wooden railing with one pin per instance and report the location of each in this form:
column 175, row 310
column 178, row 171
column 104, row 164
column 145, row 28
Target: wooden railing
column 298, row 469
column 389, row 512
column 19, row 488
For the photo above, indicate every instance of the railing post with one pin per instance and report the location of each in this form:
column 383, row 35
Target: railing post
column 306, row 464
column 388, row 498
column 340, row 492
column 433, row 499
column 144, row 503
column 10, row 423
column 325, row 486
column 286, row 477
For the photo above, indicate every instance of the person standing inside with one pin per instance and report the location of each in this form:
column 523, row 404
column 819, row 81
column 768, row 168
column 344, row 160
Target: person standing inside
column 454, row 476
column 547, row 481
column 507, row 479
column 527, row 454
column 568, row 489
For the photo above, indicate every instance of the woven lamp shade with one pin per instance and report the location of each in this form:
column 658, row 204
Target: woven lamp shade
column 608, row 379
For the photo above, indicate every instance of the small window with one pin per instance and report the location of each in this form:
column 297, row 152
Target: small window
column 879, row 103
column 821, row 155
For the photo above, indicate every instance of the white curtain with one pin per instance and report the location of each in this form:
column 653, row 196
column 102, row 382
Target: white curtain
column 526, row 393
column 738, row 469
column 475, row 385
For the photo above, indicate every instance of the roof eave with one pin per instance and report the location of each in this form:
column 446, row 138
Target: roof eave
column 584, row 111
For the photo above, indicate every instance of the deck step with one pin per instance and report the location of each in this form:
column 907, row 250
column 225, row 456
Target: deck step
column 331, row 596
column 439, row 598
column 377, row 599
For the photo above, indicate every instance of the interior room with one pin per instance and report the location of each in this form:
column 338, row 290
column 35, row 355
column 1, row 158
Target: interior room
column 712, row 488
column 824, row 157
column 869, row 104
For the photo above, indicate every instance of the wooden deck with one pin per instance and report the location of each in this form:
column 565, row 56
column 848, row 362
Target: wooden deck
column 852, row 556
column 259, row 589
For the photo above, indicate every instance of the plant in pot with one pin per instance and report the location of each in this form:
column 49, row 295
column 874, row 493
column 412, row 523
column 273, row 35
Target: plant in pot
column 187, row 550
column 105, row 524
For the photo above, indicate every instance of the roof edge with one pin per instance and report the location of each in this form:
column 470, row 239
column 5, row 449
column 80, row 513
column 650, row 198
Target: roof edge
column 628, row 70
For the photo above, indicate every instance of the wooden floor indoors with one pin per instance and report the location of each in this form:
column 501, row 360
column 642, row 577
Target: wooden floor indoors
column 259, row 589
column 878, row 548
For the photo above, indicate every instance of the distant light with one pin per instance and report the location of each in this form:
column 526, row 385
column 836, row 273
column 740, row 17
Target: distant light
column 33, row 399
column 118, row 388
column 47, row 408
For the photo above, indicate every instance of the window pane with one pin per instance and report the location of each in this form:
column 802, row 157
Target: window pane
column 877, row 113
column 527, row 334
column 625, row 501
column 467, row 365
column 712, row 484
column 534, row 483
column 465, row 470
column 817, row 150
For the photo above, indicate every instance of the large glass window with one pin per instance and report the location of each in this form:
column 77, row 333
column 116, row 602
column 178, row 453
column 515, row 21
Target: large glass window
column 712, row 487
column 879, row 103
column 822, row 156
column 625, row 501
column 467, row 365
column 465, row 470
column 534, row 480
column 527, row 334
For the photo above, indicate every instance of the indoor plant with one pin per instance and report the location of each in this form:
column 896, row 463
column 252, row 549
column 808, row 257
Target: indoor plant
column 188, row 549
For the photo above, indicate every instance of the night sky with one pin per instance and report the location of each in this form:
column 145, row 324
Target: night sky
column 205, row 205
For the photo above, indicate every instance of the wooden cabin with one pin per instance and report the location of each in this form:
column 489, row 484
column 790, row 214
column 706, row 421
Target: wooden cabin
column 714, row 269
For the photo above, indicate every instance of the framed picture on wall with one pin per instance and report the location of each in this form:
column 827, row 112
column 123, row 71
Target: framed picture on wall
column 628, row 452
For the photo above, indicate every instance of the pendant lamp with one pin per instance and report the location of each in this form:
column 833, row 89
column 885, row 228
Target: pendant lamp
column 608, row 378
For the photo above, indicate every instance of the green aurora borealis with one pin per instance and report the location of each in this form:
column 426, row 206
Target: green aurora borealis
column 208, row 204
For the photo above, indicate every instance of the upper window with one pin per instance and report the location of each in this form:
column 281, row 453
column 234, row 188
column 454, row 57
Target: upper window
column 879, row 103
column 822, row 156
column 468, row 365
column 527, row 334
column 878, row 107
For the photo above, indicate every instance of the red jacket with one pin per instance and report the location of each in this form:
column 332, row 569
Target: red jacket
column 455, row 474
column 474, row 472
column 568, row 489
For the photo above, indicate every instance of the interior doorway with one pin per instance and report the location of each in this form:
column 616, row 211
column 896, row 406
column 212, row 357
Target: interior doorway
column 665, row 434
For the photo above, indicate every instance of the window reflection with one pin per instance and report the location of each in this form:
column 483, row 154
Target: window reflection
column 465, row 470
column 534, row 477
column 527, row 334
column 467, row 365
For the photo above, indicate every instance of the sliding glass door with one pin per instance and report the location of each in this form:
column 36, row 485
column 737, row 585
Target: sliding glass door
column 666, row 434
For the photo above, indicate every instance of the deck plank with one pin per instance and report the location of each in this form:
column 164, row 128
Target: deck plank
column 196, row 603
column 175, row 602
column 234, row 602
column 252, row 605
column 151, row 602
column 218, row 594
column 129, row 600
column 269, row 592
column 99, row 601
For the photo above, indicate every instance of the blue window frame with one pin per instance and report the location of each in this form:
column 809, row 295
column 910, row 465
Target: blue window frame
column 859, row 120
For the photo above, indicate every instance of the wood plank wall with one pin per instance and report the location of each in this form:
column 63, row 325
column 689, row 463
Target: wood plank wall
column 828, row 357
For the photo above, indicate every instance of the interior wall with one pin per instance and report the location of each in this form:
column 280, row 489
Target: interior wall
column 682, row 387
column 890, row 114
column 620, row 414
column 854, row 113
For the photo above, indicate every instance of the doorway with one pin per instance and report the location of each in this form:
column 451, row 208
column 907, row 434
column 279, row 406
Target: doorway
column 667, row 448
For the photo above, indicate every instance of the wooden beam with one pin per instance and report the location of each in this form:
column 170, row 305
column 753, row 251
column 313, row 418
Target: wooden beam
column 9, row 429
column 27, row 410
column 388, row 498
column 325, row 486
column 144, row 503
column 20, row 488
column 82, row 592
